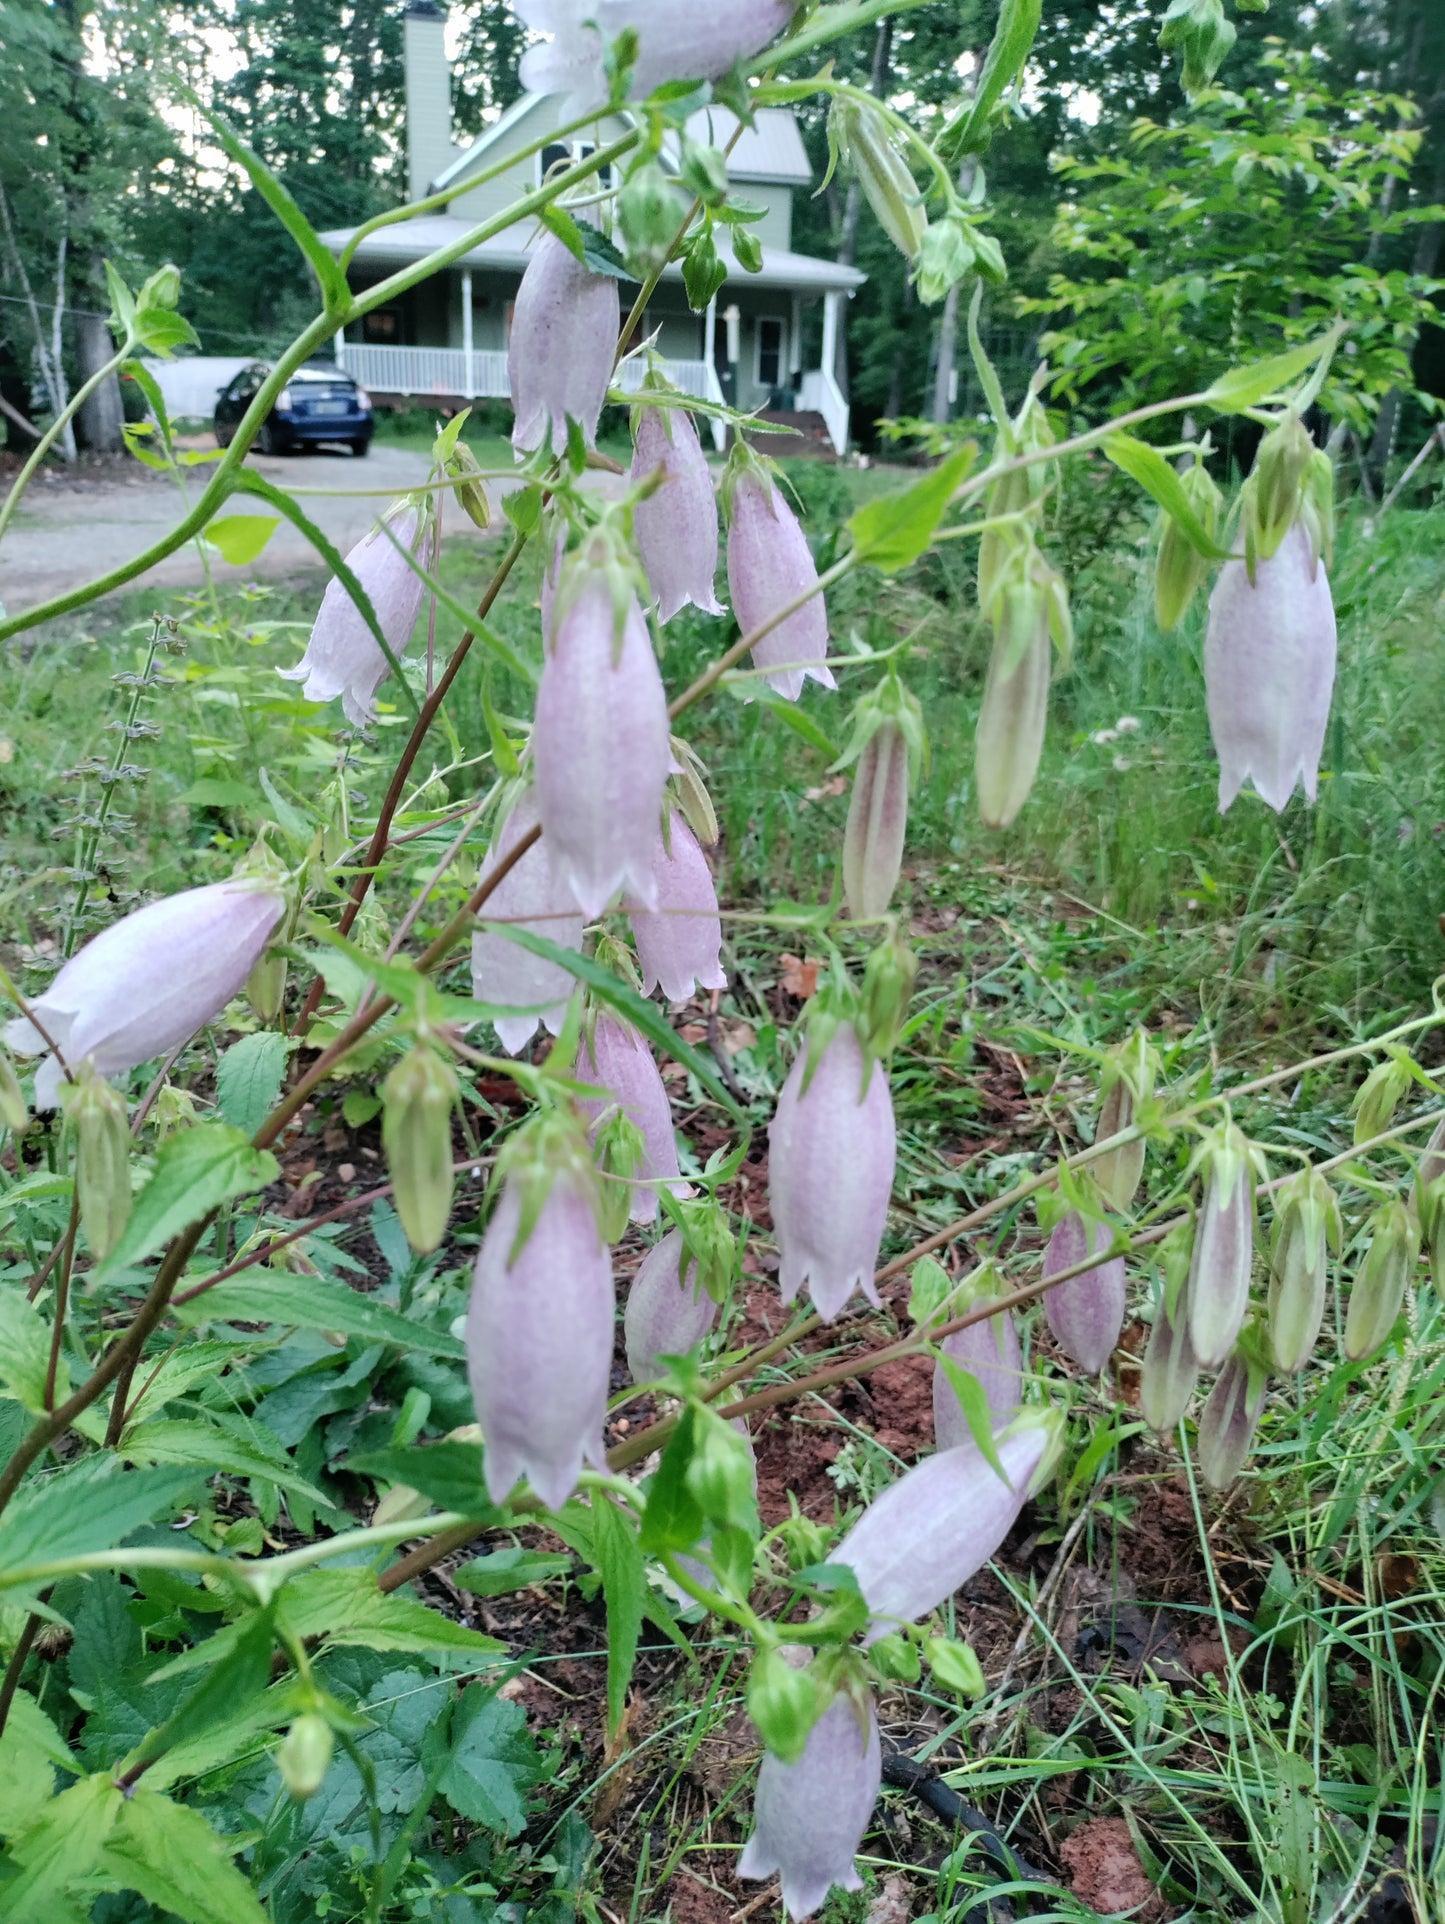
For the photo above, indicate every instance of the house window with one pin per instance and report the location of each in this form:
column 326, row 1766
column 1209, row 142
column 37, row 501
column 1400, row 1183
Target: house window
column 384, row 324
column 562, row 153
column 770, row 352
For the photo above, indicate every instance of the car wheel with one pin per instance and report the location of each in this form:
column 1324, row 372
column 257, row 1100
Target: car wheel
column 265, row 442
column 359, row 448
column 223, row 439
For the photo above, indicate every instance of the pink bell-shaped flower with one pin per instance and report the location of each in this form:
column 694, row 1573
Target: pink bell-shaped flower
column 1269, row 670
column 539, row 1333
column 990, row 1352
column 676, row 527
column 616, row 1059
column 832, row 1148
column 529, row 896
column 674, row 43
column 679, row 944
column 937, row 1526
column 667, row 1313
column 342, row 657
column 600, row 744
column 809, row 1817
column 1085, row 1313
column 559, row 357
column 149, row 981
column 1216, row 1293
column 769, row 565
column 1229, row 1419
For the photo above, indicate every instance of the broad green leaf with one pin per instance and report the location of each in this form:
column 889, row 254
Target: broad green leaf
column 787, row 712
column 25, row 1352
column 346, row 1607
column 624, row 1585
column 231, row 1687
column 1158, row 479
column 503, row 1571
column 896, row 529
column 214, row 791
column 197, row 1170
column 974, row 1404
column 297, row 824
column 1018, row 22
column 673, row 1519
column 1247, row 387
column 177, row 1862
column 194, row 1362
column 324, row 264
column 163, row 330
column 88, row 1506
column 494, row 1761
column 179, row 1441
column 63, row 1845
column 313, row 1302
column 240, row 537
column 248, row 1079
column 27, row 1760
column 448, row 1474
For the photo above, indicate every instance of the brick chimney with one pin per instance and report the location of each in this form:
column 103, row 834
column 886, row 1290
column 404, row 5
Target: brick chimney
column 428, row 96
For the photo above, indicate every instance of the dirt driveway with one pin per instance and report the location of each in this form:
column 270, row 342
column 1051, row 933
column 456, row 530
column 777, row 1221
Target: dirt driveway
column 75, row 526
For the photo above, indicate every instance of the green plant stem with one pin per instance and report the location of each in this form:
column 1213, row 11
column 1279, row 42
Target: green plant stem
column 23, row 1645
column 62, row 1301
column 53, row 432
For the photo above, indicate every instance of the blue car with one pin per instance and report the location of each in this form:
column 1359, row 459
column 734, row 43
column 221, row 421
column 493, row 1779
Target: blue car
column 320, row 402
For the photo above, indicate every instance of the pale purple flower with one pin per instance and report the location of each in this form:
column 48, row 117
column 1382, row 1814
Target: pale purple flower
column 343, row 657
column 1222, row 1263
column 559, row 356
column 539, row 1342
column 676, row 527
column 674, row 43
column 877, row 823
column 618, row 1060
column 1228, row 1421
column 667, row 1313
column 529, row 896
column 939, row 1524
column 831, row 1155
column 600, row 744
column 1009, row 738
column 1085, row 1313
column 1171, row 1369
column 769, row 565
column 679, row 945
column 809, row 1817
column 149, row 981
column 1269, row 669
column 990, row 1352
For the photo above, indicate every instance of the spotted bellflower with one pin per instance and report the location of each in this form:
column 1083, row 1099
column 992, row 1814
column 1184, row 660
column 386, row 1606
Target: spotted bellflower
column 673, row 43
column 343, row 656
column 668, row 1310
column 990, row 1353
column 614, row 1057
column 559, row 357
column 1085, row 1312
column 1217, row 1290
column 769, row 565
column 529, row 896
column 887, row 745
column 677, row 524
column 679, row 943
column 150, row 981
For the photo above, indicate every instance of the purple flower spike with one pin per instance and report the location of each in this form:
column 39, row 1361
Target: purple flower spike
column 674, row 43
column 342, row 657
column 939, row 1524
column 1269, row 670
column 600, row 743
column 677, row 526
column 149, row 981
column 1087, row 1312
column 666, row 1314
column 679, row 945
column 529, row 896
column 618, row 1060
column 989, row 1351
column 809, row 1817
column 539, row 1342
column 831, row 1156
column 769, row 565
column 559, row 359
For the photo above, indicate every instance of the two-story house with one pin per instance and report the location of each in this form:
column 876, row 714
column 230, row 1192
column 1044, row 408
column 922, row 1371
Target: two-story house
column 447, row 339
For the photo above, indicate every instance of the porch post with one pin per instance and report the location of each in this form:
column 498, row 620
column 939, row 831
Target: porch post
column 830, row 334
column 468, row 379
column 709, row 333
column 340, row 346
column 795, row 342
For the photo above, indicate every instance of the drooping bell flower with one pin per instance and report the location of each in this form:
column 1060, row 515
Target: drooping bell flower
column 770, row 565
column 1217, row 1291
column 677, row 525
column 1029, row 608
column 149, row 981
column 342, row 656
column 668, row 1312
column 1128, row 1079
column 936, row 1527
column 679, row 944
column 859, row 135
column 1229, row 1419
column 990, row 1352
column 1378, row 1292
column 531, row 896
column 600, row 739
column 1307, row 1221
column 1170, row 1371
column 673, row 43
column 809, row 1816
column 615, row 1058
column 1085, row 1313
column 540, row 1320
column 1269, row 671
column 887, row 745
column 559, row 356
column 832, row 1148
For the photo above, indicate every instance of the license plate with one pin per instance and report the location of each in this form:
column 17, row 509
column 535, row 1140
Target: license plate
column 331, row 407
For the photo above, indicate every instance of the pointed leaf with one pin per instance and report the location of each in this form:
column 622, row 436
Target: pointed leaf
column 313, row 1302
column 896, row 529
column 89, row 1506
column 196, row 1171
column 248, row 1079
column 239, row 538
column 1247, row 387
column 324, row 264
column 173, row 1858
column 1158, row 479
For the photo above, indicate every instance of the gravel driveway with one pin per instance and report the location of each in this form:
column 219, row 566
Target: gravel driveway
column 73, row 527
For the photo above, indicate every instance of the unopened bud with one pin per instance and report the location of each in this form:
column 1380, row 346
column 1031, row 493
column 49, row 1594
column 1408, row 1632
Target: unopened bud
column 1180, row 570
column 175, row 1109
column 945, row 255
column 721, row 1475
column 1010, row 735
column 649, row 215
column 266, row 985
column 704, row 172
column 304, row 1755
column 416, row 1133
column 690, row 787
column 463, row 471
column 163, row 289
column 1379, row 1289
column 1228, row 1420
column 1223, row 1258
column 1128, row 1079
column 1170, row 1371
column 1274, row 492
column 861, row 135
column 1380, row 1095
column 888, row 978
column 1200, row 32
column 102, row 1159
column 1306, row 1215
column 895, row 1658
column 12, row 1103
column 619, row 1149
column 783, row 1702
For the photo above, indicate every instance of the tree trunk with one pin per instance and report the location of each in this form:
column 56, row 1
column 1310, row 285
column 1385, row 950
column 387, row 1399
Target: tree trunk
column 101, row 419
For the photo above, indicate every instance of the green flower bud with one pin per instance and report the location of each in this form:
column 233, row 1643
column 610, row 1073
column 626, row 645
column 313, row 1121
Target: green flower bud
column 416, row 1133
column 12, row 1103
column 163, row 289
column 175, row 1109
column 619, row 1149
column 721, row 1475
column 649, row 214
column 462, row 469
column 1170, row 1371
column 860, row 134
column 1379, row 1289
column 689, row 784
column 304, row 1755
column 266, row 985
column 711, row 1244
column 945, row 255
column 1180, row 570
column 1306, row 1221
column 1128, row 1079
column 784, row 1703
column 1200, row 32
column 896, row 1659
column 1273, row 494
column 102, row 1159
column 888, row 978
column 1380, row 1094
column 956, row 1667
column 1229, row 1418
column 1009, row 738
column 704, row 172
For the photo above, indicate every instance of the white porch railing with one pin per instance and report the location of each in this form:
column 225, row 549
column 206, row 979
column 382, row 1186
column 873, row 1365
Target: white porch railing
column 820, row 394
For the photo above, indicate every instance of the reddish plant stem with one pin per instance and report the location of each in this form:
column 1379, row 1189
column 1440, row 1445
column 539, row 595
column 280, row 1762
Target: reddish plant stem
column 23, row 1646
column 62, row 1302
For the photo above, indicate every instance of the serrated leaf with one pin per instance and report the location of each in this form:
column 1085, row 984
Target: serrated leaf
column 27, row 1760
column 346, row 1607
column 673, row 1519
column 197, row 1170
column 502, row 1572
column 314, row 1302
column 89, row 1506
column 248, row 1079
column 63, row 1845
column 1158, row 479
column 162, row 330
column 173, row 1858
column 494, row 1761
column 624, row 1586
column 1247, row 387
column 601, row 257
column 231, row 1687
column 895, row 529
column 448, row 1474
column 176, row 1440
column 239, row 538
column 25, row 1352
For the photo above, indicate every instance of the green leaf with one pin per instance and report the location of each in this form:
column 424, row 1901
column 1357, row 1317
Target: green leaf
column 448, row 1474
column 138, row 372
column 624, row 1585
column 1158, row 479
column 1108, row 1438
column 314, row 1302
column 122, row 301
column 162, row 330
column 324, row 264
column 25, row 1352
column 89, row 1506
column 248, row 1079
column 346, row 1607
column 673, row 1519
column 974, row 1404
column 1018, row 22
column 230, row 1688
column 173, row 1858
column 213, row 791
column 196, row 1171
column 27, row 1760
column 494, row 1762
column 241, row 537
column 787, row 712
column 1247, row 387
column 169, row 1440
column 601, row 257
column 504, row 1571
column 63, row 1845
column 894, row 530
column 297, row 824
column 358, row 1106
